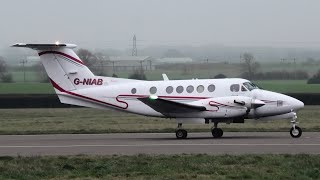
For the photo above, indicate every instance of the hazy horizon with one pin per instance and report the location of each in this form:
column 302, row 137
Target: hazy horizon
column 111, row 24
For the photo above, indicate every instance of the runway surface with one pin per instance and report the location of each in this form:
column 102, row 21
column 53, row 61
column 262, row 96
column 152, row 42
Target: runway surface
column 159, row 143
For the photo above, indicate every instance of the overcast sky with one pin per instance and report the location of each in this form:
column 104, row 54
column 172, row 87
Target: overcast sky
column 112, row 23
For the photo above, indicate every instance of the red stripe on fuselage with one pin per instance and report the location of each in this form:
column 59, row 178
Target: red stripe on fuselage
column 55, row 85
column 62, row 54
column 165, row 97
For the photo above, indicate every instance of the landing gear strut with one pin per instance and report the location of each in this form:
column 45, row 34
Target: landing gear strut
column 295, row 131
column 216, row 132
column 181, row 133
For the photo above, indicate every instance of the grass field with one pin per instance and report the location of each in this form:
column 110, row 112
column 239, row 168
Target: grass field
column 85, row 120
column 289, row 86
column 282, row 86
column 26, row 88
column 188, row 71
column 162, row 167
column 30, row 76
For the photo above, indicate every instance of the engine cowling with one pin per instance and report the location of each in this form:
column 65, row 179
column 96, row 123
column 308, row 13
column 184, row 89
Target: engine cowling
column 230, row 106
column 221, row 107
column 248, row 102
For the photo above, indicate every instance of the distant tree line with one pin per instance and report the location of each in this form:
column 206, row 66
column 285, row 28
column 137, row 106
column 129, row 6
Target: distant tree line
column 250, row 71
column 315, row 79
column 5, row 76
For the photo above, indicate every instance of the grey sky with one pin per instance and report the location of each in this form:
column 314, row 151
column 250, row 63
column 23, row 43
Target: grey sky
column 112, row 23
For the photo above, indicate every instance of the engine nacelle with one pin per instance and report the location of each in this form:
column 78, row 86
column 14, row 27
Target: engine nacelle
column 226, row 107
column 232, row 101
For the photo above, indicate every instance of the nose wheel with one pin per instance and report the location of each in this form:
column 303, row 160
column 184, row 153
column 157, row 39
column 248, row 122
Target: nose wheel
column 295, row 131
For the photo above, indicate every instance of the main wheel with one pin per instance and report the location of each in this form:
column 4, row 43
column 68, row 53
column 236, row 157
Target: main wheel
column 295, row 132
column 181, row 134
column 217, row 132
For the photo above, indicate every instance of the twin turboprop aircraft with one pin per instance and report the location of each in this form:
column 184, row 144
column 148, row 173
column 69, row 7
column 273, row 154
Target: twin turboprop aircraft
column 230, row 100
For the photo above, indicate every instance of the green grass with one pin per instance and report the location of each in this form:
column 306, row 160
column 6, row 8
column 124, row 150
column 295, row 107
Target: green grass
column 26, row 88
column 162, row 167
column 86, row 120
column 289, row 86
column 267, row 67
column 201, row 71
column 30, row 76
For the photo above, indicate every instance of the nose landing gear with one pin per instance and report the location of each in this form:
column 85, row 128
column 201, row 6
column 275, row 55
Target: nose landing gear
column 295, row 131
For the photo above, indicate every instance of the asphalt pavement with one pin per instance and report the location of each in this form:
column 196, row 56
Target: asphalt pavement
column 159, row 143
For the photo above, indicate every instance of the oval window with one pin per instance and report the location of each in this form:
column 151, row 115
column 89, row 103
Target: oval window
column 179, row 89
column 153, row 90
column 133, row 90
column 234, row 87
column 200, row 89
column 169, row 89
column 211, row 88
column 190, row 89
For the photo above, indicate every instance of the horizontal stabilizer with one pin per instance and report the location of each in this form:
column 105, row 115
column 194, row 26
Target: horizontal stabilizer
column 167, row 107
column 44, row 46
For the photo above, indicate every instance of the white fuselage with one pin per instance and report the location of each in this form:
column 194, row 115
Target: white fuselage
column 216, row 95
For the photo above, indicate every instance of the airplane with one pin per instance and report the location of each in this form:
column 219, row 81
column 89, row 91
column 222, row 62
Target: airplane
column 229, row 100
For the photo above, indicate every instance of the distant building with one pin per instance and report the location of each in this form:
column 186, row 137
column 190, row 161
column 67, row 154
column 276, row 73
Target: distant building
column 173, row 60
column 120, row 63
column 31, row 61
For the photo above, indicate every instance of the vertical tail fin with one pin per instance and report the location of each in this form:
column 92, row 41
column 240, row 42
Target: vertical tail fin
column 63, row 66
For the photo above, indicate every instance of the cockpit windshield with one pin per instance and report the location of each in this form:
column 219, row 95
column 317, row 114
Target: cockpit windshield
column 250, row 86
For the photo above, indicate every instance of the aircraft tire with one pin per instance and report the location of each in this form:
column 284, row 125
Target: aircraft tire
column 217, row 132
column 295, row 133
column 181, row 134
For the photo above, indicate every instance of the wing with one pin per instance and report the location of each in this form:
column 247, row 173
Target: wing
column 167, row 107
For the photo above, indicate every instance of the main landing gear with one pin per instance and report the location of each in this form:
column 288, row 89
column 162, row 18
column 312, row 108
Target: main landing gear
column 216, row 132
column 295, row 131
column 181, row 133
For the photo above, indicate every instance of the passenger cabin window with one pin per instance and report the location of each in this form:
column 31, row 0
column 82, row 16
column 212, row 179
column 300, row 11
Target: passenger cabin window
column 211, row 88
column 200, row 89
column 133, row 90
column 169, row 89
column 153, row 90
column 179, row 89
column 190, row 89
column 234, row 87
column 250, row 86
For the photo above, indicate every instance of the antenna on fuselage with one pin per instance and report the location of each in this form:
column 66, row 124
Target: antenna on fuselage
column 165, row 77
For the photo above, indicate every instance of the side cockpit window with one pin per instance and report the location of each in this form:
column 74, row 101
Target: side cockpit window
column 250, row 86
column 234, row 87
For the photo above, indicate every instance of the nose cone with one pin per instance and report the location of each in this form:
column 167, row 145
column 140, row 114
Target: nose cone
column 296, row 104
